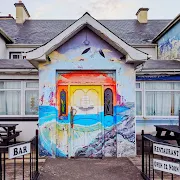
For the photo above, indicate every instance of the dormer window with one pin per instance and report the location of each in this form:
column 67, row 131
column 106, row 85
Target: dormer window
column 15, row 55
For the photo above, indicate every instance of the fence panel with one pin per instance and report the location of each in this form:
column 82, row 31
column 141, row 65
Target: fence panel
column 24, row 167
column 160, row 160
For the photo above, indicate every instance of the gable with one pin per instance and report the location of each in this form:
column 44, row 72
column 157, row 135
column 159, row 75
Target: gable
column 169, row 44
column 86, row 46
column 132, row 55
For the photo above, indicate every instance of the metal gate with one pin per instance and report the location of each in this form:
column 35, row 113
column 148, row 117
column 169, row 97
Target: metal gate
column 23, row 167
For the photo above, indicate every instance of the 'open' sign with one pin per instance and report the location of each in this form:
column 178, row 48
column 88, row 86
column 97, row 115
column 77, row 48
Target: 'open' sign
column 19, row 150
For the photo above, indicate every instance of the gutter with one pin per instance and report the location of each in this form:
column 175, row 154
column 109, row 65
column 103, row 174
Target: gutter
column 6, row 36
column 23, row 45
column 171, row 24
column 144, row 45
column 18, row 70
column 152, row 72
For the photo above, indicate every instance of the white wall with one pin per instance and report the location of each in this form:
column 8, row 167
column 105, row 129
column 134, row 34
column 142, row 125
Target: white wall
column 150, row 50
column 28, row 129
column 2, row 48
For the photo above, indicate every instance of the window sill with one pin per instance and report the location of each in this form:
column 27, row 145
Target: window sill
column 5, row 118
column 156, row 117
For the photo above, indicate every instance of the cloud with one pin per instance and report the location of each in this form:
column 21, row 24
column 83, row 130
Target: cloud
column 110, row 9
column 43, row 9
column 73, row 9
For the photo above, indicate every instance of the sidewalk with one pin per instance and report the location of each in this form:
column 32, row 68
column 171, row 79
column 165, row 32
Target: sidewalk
column 89, row 169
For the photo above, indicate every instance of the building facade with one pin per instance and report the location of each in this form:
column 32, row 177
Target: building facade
column 90, row 86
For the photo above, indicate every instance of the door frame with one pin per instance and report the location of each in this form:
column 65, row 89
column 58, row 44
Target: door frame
column 104, row 85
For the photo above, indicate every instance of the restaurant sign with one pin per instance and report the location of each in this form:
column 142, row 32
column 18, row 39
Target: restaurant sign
column 166, row 166
column 168, row 151
column 19, row 150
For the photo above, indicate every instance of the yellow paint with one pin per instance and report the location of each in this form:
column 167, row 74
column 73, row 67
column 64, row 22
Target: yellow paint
column 77, row 92
column 55, row 55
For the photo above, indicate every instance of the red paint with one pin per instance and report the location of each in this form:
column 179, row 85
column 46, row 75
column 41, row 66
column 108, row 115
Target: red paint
column 85, row 77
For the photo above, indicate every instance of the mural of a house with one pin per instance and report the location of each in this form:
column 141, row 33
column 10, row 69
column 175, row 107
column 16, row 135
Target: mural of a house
column 91, row 85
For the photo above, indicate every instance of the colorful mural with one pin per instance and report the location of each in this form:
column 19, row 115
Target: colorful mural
column 169, row 44
column 80, row 80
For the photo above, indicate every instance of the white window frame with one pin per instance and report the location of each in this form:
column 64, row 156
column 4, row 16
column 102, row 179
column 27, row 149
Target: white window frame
column 28, row 89
column 22, row 91
column 144, row 90
column 15, row 53
column 140, row 90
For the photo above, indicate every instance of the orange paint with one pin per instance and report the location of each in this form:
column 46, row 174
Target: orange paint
column 85, row 77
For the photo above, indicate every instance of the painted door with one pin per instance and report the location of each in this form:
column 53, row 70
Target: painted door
column 85, row 121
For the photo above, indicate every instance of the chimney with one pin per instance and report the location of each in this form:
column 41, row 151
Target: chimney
column 142, row 15
column 21, row 12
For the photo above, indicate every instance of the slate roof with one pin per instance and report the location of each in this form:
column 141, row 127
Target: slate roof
column 161, row 64
column 41, row 31
column 15, row 64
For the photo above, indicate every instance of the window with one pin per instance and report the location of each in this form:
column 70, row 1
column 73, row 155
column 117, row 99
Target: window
column 162, row 98
column 62, row 103
column 108, row 102
column 158, row 99
column 15, row 55
column 31, row 98
column 18, row 98
column 10, row 98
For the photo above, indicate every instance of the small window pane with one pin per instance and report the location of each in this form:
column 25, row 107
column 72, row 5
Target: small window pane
column 10, row 102
column 159, row 85
column 138, row 103
column 31, row 103
column 158, row 103
column 177, row 86
column 32, row 84
column 176, row 103
column 108, row 102
column 138, row 85
column 63, row 102
column 10, row 85
column 15, row 56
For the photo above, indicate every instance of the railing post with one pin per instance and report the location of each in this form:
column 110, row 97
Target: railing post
column 0, row 166
column 37, row 151
column 179, row 119
column 142, row 135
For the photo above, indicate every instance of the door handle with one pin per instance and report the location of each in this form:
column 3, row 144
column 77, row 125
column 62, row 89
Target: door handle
column 72, row 114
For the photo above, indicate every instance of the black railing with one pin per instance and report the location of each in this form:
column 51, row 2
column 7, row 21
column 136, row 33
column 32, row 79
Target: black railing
column 148, row 170
column 24, row 167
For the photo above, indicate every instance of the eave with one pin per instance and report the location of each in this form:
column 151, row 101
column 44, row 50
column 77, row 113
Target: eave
column 6, row 37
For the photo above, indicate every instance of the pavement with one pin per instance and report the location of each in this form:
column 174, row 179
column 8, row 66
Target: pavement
column 89, row 169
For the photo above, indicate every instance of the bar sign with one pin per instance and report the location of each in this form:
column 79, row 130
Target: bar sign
column 19, row 150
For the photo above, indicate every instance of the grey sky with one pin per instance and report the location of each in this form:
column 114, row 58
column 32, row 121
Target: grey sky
column 100, row 9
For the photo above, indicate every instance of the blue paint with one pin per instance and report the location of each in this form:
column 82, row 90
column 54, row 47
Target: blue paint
column 48, row 113
column 158, row 78
column 169, row 43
